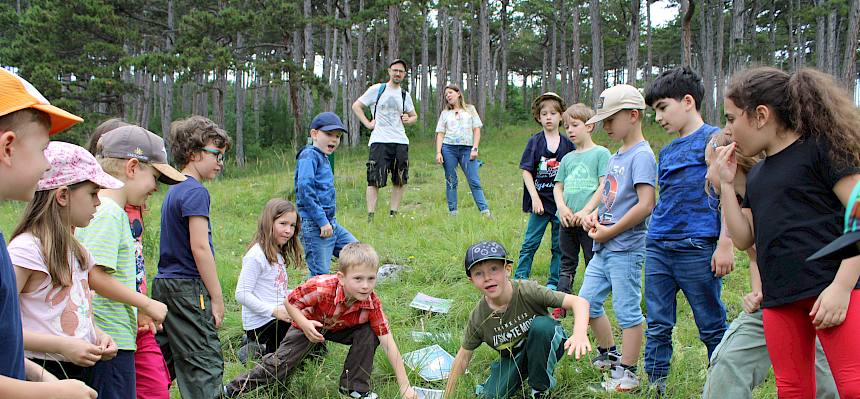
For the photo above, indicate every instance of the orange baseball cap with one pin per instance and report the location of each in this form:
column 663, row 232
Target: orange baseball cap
column 17, row 94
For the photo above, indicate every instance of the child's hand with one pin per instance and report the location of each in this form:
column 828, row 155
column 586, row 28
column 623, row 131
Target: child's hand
column 599, row 233
column 752, row 302
column 577, row 346
column 109, row 348
column 589, row 221
column 218, row 310
column 439, row 158
column 727, row 164
column 408, row 393
column 72, row 389
column 281, row 314
column 831, row 306
column 579, row 217
column 537, row 206
column 326, row 231
column 310, row 330
column 80, row 352
column 722, row 261
column 157, row 311
column 145, row 323
column 566, row 216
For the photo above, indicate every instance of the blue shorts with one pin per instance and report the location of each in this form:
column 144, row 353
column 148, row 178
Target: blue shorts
column 619, row 272
column 115, row 377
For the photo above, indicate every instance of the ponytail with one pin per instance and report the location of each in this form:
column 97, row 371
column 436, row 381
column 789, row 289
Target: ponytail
column 808, row 102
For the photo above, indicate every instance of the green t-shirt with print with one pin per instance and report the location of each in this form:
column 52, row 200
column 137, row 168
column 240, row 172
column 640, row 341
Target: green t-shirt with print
column 505, row 331
column 580, row 172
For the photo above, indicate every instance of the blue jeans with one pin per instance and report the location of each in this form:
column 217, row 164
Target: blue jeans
column 531, row 242
column 621, row 273
column 318, row 250
column 452, row 155
column 671, row 265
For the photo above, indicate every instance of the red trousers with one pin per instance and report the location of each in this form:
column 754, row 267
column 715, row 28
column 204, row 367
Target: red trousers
column 790, row 338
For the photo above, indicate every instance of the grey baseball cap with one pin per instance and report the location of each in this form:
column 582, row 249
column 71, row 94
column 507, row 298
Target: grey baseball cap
column 484, row 250
column 135, row 142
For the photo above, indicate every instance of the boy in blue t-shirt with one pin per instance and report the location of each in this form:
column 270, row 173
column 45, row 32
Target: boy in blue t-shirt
column 682, row 249
column 321, row 235
column 618, row 227
column 187, row 280
column 539, row 164
column 27, row 121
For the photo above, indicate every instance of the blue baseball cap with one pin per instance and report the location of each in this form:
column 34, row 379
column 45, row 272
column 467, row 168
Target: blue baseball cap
column 327, row 122
column 484, row 250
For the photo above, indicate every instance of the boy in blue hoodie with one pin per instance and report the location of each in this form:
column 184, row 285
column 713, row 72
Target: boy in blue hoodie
column 321, row 235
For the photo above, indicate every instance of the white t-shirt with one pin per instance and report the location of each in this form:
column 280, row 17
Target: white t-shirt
column 389, row 127
column 458, row 125
column 261, row 287
column 54, row 310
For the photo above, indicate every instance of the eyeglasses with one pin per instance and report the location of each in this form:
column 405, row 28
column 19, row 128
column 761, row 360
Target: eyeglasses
column 219, row 156
column 398, row 71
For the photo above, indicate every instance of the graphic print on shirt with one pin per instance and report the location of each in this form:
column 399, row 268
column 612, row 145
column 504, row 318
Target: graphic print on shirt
column 281, row 282
column 610, row 190
column 547, row 169
column 139, row 267
column 388, row 111
column 509, row 335
column 78, row 307
column 580, row 179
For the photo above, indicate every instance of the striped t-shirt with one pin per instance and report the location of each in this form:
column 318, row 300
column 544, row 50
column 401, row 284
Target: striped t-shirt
column 109, row 240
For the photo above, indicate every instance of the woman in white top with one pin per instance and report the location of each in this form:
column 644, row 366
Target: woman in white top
column 262, row 285
column 458, row 134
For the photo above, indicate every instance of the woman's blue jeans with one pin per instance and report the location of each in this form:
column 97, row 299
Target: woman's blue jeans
column 453, row 155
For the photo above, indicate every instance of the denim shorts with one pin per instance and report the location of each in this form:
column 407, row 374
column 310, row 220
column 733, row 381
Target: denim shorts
column 619, row 272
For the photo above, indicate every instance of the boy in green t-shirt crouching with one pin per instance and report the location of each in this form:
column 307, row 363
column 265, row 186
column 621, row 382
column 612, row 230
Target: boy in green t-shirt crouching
column 512, row 318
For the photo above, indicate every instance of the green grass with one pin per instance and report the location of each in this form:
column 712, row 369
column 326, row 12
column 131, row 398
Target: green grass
column 429, row 241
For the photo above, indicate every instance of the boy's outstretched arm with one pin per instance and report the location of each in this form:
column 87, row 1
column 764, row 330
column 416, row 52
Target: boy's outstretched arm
column 393, row 354
column 578, row 344
column 461, row 362
column 107, row 286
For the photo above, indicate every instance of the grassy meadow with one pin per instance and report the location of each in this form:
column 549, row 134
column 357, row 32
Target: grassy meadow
column 431, row 243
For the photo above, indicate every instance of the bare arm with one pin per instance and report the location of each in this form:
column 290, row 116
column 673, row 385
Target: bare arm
column 393, row 354
column 411, row 117
column 11, row 388
column 198, row 231
column 107, row 286
column 476, row 137
column 577, row 345
column 461, row 362
column 358, row 110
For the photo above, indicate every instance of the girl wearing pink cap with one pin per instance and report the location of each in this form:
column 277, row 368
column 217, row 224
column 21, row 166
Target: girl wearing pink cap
column 55, row 273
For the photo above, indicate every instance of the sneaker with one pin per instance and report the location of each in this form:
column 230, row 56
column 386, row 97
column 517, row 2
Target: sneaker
column 607, row 361
column 357, row 395
column 452, row 213
column 487, row 214
column 620, row 380
column 540, row 394
column 559, row 313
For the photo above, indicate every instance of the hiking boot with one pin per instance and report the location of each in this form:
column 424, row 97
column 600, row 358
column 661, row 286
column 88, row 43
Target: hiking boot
column 357, row 395
column 620, row 380
column 607, row 361
column 559, row 313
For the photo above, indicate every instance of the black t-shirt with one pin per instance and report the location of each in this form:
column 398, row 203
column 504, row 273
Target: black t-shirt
column 795, row 213
column 543, row 165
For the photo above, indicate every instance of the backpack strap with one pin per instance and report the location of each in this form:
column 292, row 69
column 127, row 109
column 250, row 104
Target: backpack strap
column 378, row 96
column 403, row 94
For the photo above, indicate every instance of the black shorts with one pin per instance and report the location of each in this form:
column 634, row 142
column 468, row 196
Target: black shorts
column 385, row 158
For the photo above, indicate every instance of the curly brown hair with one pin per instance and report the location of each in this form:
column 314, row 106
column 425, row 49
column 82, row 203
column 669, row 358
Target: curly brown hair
column 807, row 101
column 192, row 134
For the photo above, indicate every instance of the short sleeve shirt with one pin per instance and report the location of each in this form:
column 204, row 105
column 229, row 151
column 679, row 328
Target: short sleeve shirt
column 183, row 200
column 109, row 240
column 505, row 331
column 795, row 213
column 684, row 209
column 389, row 127
column 12, row 338
column 625, row 170
column 580, row 172
column 458, row 126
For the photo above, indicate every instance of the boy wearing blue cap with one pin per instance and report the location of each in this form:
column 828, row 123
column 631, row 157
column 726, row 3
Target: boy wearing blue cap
column 321, row 235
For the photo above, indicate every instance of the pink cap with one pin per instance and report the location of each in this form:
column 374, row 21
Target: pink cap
column 72, row 164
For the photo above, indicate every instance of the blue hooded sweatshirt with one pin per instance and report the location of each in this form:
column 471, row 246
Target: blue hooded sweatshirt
column 314, row 182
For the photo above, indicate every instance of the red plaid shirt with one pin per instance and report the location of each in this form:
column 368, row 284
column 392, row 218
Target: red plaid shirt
column 321, row 298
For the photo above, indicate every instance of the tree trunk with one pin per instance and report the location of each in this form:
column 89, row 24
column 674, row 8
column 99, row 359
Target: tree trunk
column 240, row 108
column 706, row 34
column 633, row 42
column 771, row 59
column 596, row 53
column 503, row 69
column 425, row 66
column 750, row 27
column 484, row 60
column 576, row 62
column 145, row 101
column 688, row 9
column 221, row 94
column 849, row 57
column 832, row 54
column 308, row 53
column 332, row 75
column 564, row 68
column 649, row 60
column 441, row 57
column 255, row 104
column 820, row 36
column 393, row 31
column 552, row 84
column 457, row 50
column 169, row 38
column 737, row 36
column 721, row 45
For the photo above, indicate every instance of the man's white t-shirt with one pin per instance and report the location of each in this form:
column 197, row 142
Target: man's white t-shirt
column 389, row 127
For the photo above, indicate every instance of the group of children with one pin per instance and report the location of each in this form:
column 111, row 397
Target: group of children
column 786, row 163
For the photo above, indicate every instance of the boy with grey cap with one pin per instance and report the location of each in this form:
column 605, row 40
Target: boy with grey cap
column 512, row 318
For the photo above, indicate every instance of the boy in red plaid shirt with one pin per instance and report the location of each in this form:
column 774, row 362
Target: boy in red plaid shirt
column 338, row 307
